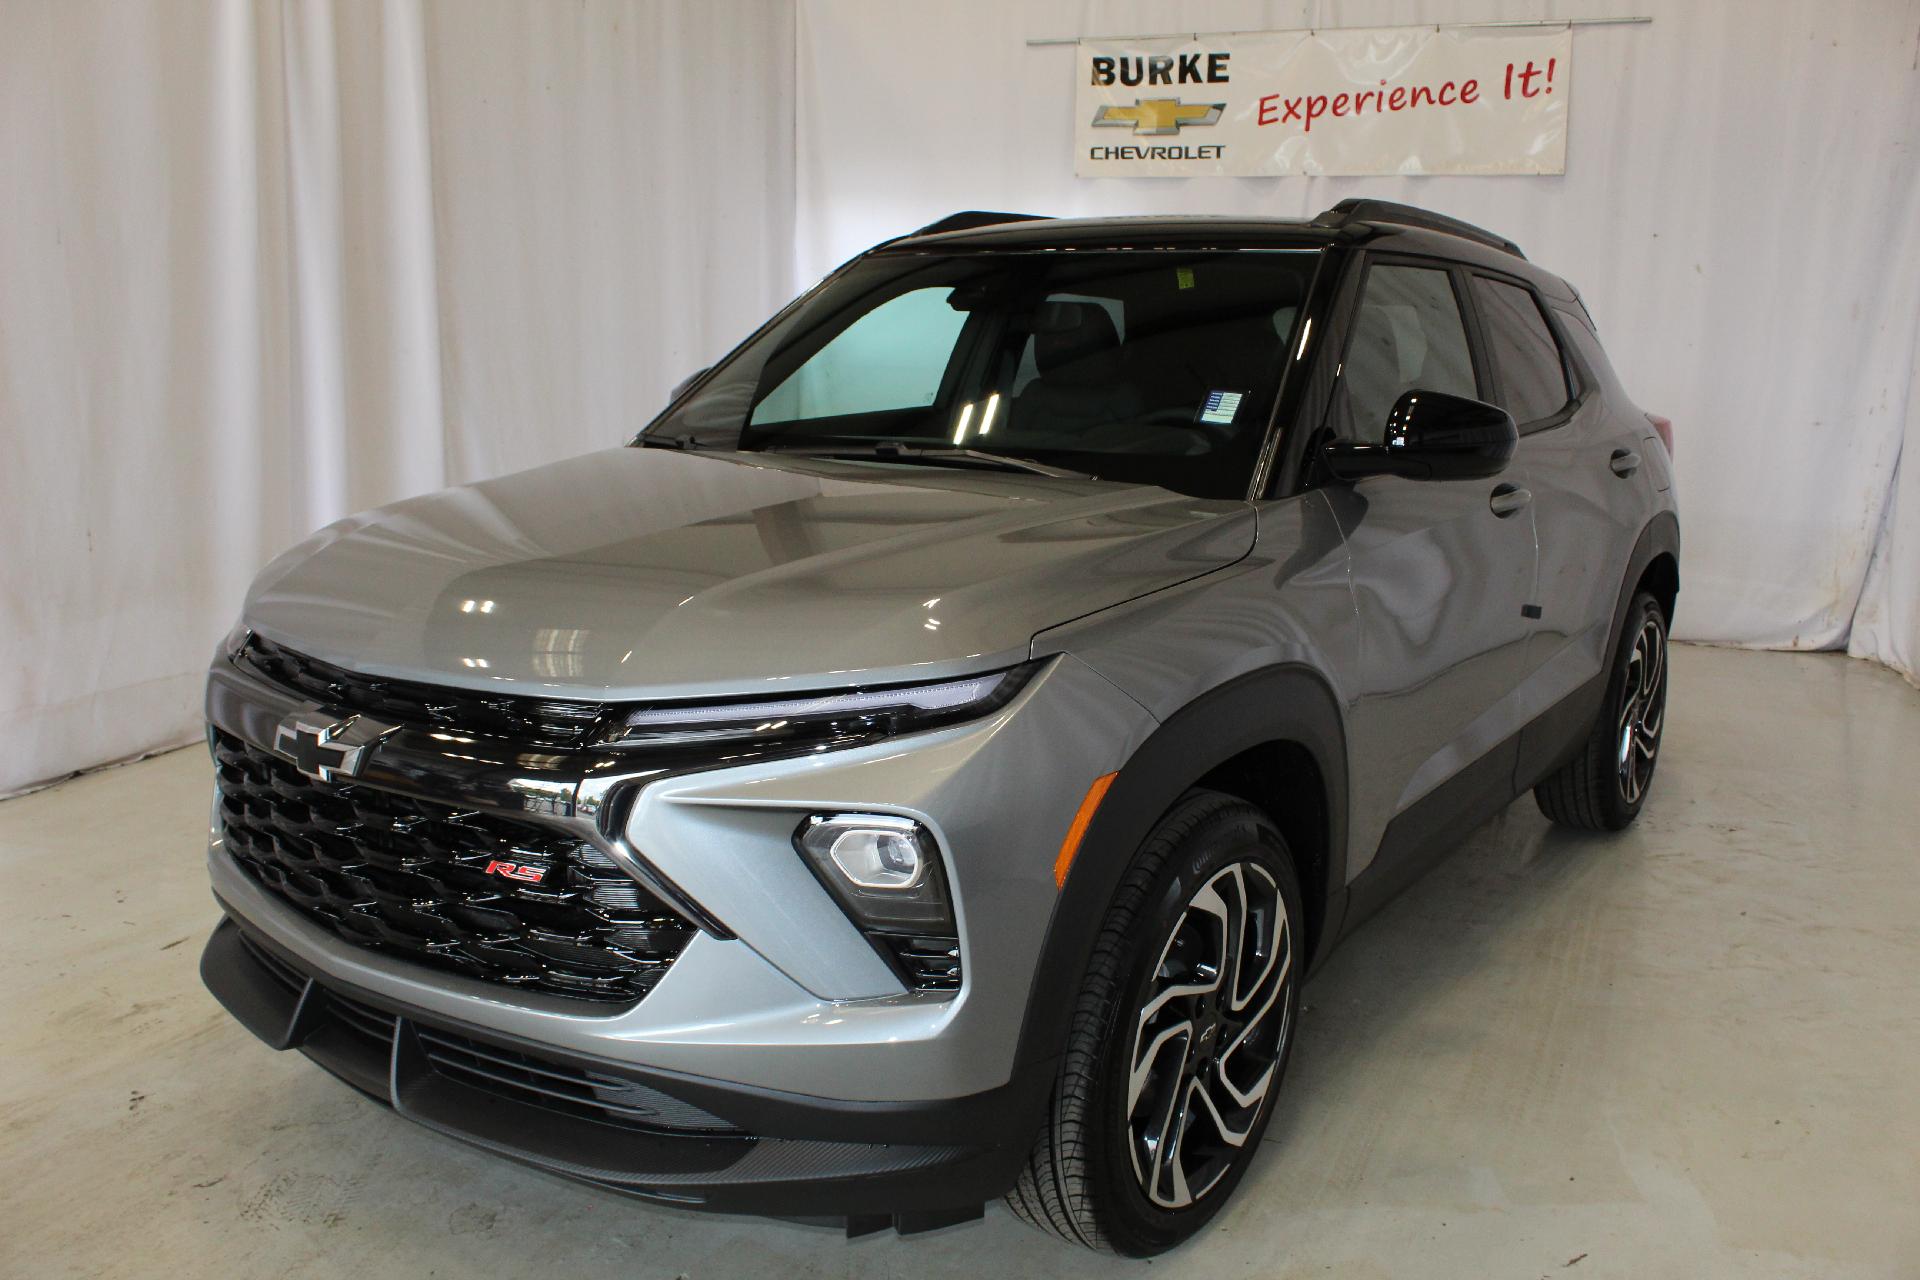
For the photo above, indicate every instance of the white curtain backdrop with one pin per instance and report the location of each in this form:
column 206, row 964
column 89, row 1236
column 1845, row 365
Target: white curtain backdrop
column 264, row 264
column 1741, row 209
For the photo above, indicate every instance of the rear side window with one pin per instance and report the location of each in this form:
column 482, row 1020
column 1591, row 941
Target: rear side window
column 1407, row 336
column 1530, row 374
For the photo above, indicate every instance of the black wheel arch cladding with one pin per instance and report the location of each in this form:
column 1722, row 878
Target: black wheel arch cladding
column 1288, row 703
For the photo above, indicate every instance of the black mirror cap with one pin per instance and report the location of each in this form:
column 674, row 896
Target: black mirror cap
column 1432, row 436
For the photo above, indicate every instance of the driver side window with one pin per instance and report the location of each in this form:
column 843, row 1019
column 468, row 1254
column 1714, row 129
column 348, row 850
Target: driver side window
column 1407, row 335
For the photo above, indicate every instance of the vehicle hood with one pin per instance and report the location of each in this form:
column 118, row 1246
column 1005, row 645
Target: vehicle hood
column 641, row 573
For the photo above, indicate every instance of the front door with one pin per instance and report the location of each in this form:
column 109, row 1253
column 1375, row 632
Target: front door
column 1441, row 572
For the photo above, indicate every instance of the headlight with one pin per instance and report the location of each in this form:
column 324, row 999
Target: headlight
column 837, row 717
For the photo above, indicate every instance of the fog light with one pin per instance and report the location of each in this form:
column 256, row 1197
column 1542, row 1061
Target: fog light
column 879, row 857
column 885, row 870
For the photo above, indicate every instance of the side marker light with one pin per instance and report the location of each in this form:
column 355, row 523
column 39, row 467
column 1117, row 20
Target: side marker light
column 1081, row 820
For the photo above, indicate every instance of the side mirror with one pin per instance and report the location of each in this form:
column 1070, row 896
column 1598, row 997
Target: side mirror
column 1432, row 436
column 680, row 387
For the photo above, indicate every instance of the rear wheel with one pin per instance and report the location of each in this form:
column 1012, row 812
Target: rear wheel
column 1180, row 1037
column 1603, row 787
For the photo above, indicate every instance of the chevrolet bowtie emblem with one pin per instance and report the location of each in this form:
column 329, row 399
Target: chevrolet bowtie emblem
column 327, row 751
column 1159, row 115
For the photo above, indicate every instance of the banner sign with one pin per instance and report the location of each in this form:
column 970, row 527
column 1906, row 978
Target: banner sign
column 1390, row 100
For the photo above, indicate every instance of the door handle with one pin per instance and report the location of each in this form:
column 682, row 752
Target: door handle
column 1624, row 462
column 1507, row 499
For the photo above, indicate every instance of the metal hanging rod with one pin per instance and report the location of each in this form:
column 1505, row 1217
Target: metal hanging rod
column 1437, row 26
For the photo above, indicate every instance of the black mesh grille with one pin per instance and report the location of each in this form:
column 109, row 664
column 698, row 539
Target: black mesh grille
column 544, row 722
column 410, row 877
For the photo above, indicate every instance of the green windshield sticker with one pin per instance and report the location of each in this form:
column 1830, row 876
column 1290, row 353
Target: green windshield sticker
column 1184, row 276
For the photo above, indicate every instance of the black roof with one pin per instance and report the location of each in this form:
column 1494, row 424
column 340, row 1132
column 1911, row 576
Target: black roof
column 1130, row 232
column 1386, row 213
column 1376, row 222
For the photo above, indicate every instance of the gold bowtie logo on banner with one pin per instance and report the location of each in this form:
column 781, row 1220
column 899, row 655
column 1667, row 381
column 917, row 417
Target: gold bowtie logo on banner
column 1159, row 115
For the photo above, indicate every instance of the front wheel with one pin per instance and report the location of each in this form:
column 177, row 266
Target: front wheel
column 1180, row 1037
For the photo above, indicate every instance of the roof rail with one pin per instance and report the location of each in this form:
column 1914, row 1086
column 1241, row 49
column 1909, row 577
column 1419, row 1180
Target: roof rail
column 1406, row 215
column 971, row 218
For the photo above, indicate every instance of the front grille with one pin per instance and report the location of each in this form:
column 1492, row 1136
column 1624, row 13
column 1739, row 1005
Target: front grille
column 545, row 722
column 409, row 877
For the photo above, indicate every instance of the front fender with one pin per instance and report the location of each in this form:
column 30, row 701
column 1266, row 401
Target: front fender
column 1289, row 703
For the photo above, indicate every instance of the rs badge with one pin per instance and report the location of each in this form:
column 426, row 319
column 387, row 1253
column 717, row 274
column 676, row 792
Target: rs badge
column 525, row 872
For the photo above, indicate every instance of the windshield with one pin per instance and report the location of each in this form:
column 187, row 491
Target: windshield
column 1152, row 367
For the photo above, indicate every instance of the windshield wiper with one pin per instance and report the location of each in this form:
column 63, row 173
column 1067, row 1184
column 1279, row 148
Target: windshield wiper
column 648, row 440
column 892, row 451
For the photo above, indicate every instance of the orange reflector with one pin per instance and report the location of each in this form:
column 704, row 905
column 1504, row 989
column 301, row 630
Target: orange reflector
column 1071, row 845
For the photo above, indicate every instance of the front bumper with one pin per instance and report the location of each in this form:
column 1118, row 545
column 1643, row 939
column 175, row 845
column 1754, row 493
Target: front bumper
column 840, row 1093
column 658, row 1136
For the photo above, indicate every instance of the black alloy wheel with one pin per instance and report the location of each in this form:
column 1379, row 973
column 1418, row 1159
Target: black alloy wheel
column 1603, row 787
column 1207, row 1038
column 1180, row 1038
column 1643, row 709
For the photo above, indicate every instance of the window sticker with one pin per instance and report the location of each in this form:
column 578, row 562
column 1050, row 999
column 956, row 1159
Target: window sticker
column 1183, row 276
column 1221, row 406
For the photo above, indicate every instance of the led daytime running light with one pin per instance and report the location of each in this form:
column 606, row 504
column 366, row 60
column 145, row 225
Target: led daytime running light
column 927, row 698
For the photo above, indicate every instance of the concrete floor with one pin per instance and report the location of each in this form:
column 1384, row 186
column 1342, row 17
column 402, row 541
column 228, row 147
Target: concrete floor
column 1688, row 1051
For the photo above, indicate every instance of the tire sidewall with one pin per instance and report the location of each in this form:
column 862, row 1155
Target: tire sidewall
column 1134, row 1225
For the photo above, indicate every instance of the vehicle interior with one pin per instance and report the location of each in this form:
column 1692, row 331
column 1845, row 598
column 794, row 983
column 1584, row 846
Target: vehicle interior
column 1155, row 367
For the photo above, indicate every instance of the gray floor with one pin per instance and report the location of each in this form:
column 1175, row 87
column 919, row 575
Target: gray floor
column 1688, row 1051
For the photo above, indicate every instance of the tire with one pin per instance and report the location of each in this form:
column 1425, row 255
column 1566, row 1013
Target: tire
column 1214, row 881
column 1604, row 786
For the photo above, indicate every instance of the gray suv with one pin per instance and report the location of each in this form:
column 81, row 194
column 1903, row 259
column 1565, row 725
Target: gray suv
column 924, row 765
